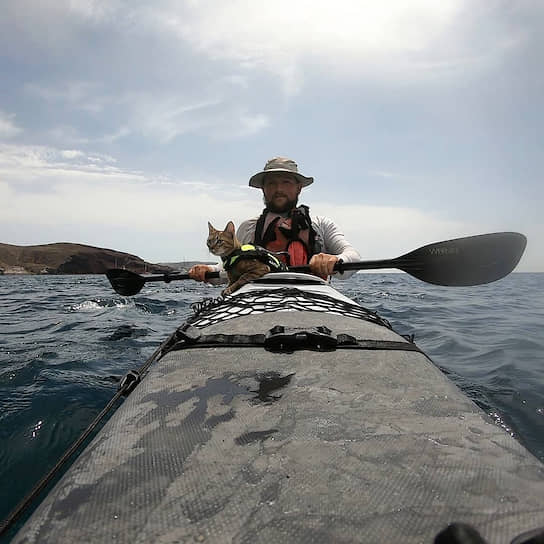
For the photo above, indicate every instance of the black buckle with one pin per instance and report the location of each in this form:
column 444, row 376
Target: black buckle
column 288, row 339
column 184, row 335
column 187, row 334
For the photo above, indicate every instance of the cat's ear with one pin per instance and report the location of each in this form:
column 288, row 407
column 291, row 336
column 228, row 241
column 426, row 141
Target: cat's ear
column 210, row 228
column 230, row 228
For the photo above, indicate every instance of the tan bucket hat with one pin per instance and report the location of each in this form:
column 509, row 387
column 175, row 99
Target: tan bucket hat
column 279, row 164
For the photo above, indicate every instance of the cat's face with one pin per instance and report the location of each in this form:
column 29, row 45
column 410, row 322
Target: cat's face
column 221, row 242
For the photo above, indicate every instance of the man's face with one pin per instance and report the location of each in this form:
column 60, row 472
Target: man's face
column 281, row 192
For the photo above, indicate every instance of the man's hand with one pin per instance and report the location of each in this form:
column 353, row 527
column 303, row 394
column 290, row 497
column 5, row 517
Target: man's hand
column 322, row 264
column 198, row 272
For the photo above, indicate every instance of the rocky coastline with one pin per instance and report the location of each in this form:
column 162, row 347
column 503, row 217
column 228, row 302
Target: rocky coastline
column 69, row 258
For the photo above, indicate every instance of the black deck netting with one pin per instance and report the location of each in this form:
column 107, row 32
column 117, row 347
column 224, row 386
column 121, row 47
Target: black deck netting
column 211, row 311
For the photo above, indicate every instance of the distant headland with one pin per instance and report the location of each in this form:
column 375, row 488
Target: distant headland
column 68, row 258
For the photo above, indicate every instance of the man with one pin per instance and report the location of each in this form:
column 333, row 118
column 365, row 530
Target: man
column 285, row 227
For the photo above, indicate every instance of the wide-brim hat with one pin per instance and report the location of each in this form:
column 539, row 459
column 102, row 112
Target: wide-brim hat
column 279, row 164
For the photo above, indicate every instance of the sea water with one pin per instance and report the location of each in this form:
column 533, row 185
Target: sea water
column 65, row 341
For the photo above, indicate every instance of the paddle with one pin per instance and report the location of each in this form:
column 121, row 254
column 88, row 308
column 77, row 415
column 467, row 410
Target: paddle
column 129, row 283
column 473, row 260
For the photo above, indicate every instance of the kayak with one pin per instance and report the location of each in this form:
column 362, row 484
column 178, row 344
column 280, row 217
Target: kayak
column 287, row 412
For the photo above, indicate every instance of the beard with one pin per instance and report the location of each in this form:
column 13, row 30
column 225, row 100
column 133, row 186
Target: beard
column 286, row 207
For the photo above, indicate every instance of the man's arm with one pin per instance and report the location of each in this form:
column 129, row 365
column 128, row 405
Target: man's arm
column 334, row 245
column 246, row 231
column 198, row 273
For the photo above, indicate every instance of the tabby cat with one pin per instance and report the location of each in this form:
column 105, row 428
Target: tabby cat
column 240, row 271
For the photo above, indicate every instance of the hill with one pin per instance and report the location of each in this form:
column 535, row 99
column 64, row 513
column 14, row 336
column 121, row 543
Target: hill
column 67, row 258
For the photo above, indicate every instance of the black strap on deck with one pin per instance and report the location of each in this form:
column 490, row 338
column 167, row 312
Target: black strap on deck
column 280, row 339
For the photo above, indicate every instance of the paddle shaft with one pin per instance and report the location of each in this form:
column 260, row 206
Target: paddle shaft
column 167, row 278
column 339, row 267
column 361, row 265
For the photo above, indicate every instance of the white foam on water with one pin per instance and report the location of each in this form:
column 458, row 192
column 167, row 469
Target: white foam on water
column 87, row 305
column 93, row 305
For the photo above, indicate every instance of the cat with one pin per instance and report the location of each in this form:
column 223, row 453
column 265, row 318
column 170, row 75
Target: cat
column 241, row 269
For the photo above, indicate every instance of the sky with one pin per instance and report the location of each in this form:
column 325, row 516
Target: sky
column 129, row 125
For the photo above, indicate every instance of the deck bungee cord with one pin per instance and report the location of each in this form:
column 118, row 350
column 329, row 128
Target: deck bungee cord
column 211, row 311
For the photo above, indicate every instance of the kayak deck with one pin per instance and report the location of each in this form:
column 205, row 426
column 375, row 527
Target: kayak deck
column 231, row 443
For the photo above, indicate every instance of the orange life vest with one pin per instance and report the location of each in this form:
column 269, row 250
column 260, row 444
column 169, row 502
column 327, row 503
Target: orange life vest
column 292, row 235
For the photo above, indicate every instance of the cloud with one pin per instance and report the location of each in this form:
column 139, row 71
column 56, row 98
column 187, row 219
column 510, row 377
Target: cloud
column 252, row 32
column 83, row 95
column 159, row 115
column 71, row 153
column 44, row 188
column 404, row 41
column 225, row 69
column 400, row 39
column 171, row 116
column 44, row 169
column 8, row 129
column 389, row 231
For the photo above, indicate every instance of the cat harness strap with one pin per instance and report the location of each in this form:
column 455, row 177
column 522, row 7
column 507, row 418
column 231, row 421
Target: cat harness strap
column 249, row 251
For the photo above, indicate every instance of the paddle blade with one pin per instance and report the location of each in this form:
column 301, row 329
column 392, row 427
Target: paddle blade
column 124, row 282
column 473, row 260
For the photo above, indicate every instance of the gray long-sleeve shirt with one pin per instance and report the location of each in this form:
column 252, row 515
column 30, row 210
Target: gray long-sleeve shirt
column 328, row 235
